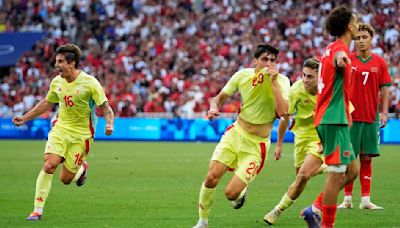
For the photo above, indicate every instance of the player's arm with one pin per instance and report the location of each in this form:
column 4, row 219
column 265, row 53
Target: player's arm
column 215, row 104
column 109, row 115
column 385, row 106
column 283, row 123
column 341, row 59
column 38, row 110
column 281, row 104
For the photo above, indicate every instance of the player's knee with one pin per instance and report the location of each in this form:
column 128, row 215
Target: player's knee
column 231, row 194
column 49, row 167
column 65, row 180
column 302, row 178
column 211, row 180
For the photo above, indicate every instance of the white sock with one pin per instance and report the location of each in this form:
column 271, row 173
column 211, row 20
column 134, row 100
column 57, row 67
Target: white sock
column 365, row 199
column 347, row 198
column 316, row 210
column 203, row 221
column 38, row 210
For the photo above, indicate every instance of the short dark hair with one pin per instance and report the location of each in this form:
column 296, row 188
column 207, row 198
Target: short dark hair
column 71, row 52
column 337, row 21
column 366, row 27
column 312, row 63
column 265, row 48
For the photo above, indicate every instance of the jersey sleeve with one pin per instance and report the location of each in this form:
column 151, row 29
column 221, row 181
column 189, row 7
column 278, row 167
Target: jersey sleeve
column 98, row 94
column 292, row 101
column 384, row 79
column 232, row 85
column 51, row 94
column 284, row 84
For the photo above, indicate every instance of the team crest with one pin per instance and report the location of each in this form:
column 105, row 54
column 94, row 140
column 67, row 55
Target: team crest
column 374, row 69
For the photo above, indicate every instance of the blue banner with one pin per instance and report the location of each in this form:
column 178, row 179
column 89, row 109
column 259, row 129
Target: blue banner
column 161, row 129
column 14, row 44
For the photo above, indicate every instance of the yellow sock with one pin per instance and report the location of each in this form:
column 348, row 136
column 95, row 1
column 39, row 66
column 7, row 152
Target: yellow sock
column 285, row 202
column 43, row 186
column 206, row 199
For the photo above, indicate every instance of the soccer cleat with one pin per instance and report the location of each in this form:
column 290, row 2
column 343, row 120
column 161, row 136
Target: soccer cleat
column 81, row 180
column 201, row 224
column 312, row 219
column 272, row 216
column 345, row 205
column 237, row 204
column 369, row 205
column 34, row 216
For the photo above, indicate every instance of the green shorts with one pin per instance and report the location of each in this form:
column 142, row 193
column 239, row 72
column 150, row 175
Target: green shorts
column 73, row 150
column 365, row 138
column 304, row 147
column 336, row 143
column 242, row 152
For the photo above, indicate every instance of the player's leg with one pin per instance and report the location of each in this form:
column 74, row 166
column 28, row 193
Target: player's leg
column 75, row 160
column 370, row 148
column 222, row 159
column 251, row 160
column 52, row 158
column 356, row 134
column 310, row 165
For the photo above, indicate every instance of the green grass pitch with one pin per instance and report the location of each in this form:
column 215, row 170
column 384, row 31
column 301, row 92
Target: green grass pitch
column 146, row 184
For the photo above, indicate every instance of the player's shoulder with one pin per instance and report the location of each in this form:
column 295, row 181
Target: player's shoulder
column 88, row 78
column 297, row 87
column 378, row 58
column 245, row 71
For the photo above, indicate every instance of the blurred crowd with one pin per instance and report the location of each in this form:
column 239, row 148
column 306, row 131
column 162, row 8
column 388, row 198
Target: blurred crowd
column 165, row 56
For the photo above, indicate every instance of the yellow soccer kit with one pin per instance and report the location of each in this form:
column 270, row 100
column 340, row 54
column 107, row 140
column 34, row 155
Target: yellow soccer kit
column 74, row 126
column 238, row 149
column 302, row 105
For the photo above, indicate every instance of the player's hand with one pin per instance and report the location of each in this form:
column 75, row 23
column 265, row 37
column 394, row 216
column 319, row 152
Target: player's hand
column 272, row 72
column 342, row 60
column 18, row 120
column 213, row 113
column 382, row 120
column 278, row 152
column 109, row 129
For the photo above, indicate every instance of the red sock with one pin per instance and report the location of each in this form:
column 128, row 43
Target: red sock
column 328, row 215
column 318, row 201
column 348, row 189
column 365, row 177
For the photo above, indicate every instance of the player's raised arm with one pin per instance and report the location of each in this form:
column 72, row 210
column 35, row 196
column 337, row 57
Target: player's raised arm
column 281, row 104
column 39, row 109
column 109, row 115
column 215, row 104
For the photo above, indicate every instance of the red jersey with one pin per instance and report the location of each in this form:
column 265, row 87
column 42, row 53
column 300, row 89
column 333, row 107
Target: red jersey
column 367, row 77
column 334, row 86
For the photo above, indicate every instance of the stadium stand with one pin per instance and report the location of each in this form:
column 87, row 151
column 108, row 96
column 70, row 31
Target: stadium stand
column 172, row 56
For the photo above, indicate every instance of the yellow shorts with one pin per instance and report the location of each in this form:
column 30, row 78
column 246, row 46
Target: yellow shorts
column 242, row 152
column 304, row 147
column 73, row 150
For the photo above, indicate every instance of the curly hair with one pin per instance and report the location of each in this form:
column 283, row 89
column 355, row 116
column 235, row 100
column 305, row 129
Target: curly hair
column 265, row 48
column 71, row 52
column 338, row 20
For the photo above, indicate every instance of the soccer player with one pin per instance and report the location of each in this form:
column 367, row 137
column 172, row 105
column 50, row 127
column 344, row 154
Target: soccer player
column 333, row 118
column 370, row 75
column 308, row 156
column 69, row 140
column 245, row 144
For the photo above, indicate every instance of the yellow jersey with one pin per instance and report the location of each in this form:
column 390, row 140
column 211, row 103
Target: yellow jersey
column 77, row 102
column 302, row 105
column 258, row 105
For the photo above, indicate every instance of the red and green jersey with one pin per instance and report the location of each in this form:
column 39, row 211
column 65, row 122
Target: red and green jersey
column 333, row 99
column 368, row 75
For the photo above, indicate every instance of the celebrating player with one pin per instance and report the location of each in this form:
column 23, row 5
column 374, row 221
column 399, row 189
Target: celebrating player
column 77, row 94
column 308, row 156
column 370, row 75
column 333, row 118
column 245, row 143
